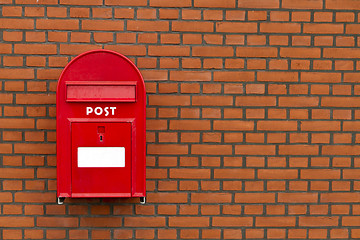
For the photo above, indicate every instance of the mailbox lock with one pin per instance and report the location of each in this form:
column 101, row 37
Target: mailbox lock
column 101, row 131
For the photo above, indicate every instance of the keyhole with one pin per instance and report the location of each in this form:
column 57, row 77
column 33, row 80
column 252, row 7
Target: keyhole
column 101, row 131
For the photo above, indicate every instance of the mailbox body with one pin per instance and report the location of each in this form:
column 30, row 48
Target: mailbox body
column 100, row 127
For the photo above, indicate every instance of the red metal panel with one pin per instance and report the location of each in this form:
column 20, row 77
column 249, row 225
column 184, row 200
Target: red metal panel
column 101, row 181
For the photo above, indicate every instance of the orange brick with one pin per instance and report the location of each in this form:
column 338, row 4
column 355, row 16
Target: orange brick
column 307, row 4
column 258, row 4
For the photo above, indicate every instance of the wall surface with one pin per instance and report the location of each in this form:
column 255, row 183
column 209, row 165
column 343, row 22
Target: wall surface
column 253, row 119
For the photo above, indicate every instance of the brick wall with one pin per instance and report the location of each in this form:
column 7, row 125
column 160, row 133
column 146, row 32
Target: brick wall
column 253, row 119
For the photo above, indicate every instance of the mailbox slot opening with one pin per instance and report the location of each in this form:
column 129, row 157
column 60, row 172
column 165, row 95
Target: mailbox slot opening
column 101, row 91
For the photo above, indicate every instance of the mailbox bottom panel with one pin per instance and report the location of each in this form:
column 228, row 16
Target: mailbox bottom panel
column 101, row 159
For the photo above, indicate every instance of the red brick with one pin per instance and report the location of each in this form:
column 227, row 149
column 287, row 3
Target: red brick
column 318, row 221
column 190, row 173
column 35, row 148
column 350, row 221
column 277, row 174
column 298, row 197
column 80, row 12
column 307, row 4
column 212, row 51
column 254, row 197
column 255, row 101
column 280, row 27
column 57, row 222
column 172, row 149
column 167, row 198
column 9, row 221
column 340, row 197
column 236, row 27
column 275, row 221
column 211, row 149
column 234, row 173
column 16, row 173
column 178, row 26
column 6, row 73
column 300, row 52
column 78, row 234
column 323, row 28
column 237, row 125
column 320, row 126
column 254, row 149
column 346, row 102
column 122, row 234
column 277, row 125
column 340, row 150
column 212, row 100
column 32, row 197
column 277, row 76
column 16, row 123
column 298, row 150
column 144, row 25
column 51, row 12
column 258, row 4
column 214, row 4
column 352, row 28
column 169, row 51
column 345, row 4
column 323, row 17
column 234, row 76
column 298, row 101
column 35, row 49
column 232, row 222
column 74, row 2
column 190, row 125
column 8, row 11
column 279, row 16
column 344, row 17
column 256, row 52
column 320, row 174
column 257, row 15
column 11, row 23
column 169, row 100
column 341, row 53
column 185, row 221
column 170, row 3
column 210, row 198
column 58, row 24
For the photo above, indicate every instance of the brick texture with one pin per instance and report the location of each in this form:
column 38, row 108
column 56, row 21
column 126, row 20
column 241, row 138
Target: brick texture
column 253, row 123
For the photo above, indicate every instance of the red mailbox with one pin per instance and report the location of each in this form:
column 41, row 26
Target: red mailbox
column 100, row 128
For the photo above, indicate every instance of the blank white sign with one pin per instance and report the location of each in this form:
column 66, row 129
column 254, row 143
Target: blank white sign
column 101, row 157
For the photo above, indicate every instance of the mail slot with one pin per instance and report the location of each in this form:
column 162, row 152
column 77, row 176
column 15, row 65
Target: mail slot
column 101, row 91
column 100, row 128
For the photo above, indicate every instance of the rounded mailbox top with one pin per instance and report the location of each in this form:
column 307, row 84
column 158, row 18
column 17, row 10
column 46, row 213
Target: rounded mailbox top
column 100, row 65
column 101, row 76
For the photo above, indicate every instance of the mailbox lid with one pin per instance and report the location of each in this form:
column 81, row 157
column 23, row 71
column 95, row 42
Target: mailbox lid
column 101, row 159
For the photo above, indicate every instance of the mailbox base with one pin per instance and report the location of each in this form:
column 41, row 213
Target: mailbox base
column 60, row 200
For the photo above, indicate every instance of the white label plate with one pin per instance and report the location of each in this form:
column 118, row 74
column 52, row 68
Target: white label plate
column 101, row 157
